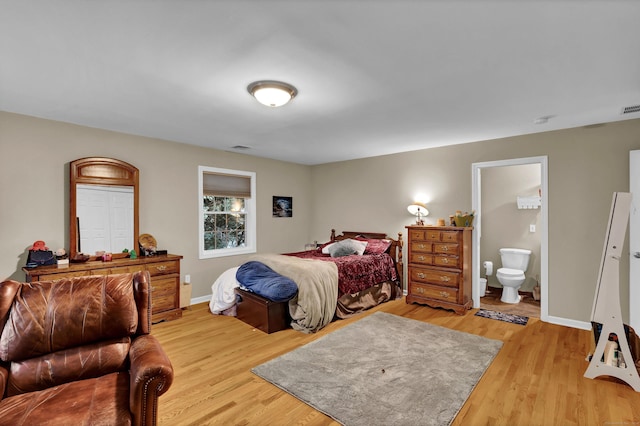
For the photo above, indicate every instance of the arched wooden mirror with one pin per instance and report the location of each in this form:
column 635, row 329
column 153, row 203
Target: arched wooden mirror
column 104, row 206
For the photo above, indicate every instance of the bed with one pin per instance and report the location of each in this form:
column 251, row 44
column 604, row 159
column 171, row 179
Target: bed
column 363, row 280
column 332, row 281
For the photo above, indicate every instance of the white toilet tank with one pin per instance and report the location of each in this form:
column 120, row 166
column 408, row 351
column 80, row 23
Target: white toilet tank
column 514, row 258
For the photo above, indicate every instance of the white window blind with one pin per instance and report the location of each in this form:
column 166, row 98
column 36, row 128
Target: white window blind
column 229, row 185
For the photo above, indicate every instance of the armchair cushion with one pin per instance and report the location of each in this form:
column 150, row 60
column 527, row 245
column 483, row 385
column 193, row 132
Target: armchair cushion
column 68, row 365
column 102, row 400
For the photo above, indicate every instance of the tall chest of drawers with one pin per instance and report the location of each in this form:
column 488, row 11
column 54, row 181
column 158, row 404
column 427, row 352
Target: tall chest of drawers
column 164, row 271
column 439, row 267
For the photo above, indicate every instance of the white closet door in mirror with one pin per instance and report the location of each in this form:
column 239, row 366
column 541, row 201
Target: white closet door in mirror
column 105, row 218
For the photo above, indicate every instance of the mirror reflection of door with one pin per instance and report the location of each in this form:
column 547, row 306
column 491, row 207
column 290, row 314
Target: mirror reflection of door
column 105, row 218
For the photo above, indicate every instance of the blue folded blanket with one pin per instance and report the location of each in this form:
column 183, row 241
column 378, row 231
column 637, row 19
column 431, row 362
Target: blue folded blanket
column 264, row 281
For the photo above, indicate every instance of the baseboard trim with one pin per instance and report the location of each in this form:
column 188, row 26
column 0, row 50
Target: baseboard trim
column 201, row 299
column 568, row 322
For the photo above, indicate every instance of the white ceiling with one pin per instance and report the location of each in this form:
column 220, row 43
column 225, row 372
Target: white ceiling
column 374, row 76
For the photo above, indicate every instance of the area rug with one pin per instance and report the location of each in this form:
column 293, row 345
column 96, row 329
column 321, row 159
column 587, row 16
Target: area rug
column 385, row 370
column 501, row 316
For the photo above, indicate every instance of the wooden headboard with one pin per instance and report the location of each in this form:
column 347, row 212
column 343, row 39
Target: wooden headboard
column 395, row 249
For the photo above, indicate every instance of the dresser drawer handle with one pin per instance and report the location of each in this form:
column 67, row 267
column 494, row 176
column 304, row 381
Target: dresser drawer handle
column 420, row 290
column 421, row 275
column 161, row 267
column 445, row 260
column 153, row 288
column 445, row 279
column 421, row 258
column 421, row 246
column 444, row 294
column 445, row 248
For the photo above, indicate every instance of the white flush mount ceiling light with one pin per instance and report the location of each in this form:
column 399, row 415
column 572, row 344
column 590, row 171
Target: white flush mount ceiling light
column 272, row 93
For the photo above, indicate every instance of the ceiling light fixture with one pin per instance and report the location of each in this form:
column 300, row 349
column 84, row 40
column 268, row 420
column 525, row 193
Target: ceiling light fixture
column 272, row 93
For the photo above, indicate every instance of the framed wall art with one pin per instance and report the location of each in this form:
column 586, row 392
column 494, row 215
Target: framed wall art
column 282, row 206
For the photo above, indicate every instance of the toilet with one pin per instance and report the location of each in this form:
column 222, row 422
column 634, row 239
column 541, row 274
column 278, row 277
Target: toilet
column 514, row 263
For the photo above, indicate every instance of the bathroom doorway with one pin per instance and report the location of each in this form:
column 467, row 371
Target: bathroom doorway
column 537, row 217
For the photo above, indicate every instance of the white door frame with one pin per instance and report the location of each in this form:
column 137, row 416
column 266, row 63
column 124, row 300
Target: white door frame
column 476, row 169
column 634, row 239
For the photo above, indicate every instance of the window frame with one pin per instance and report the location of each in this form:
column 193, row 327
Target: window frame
column 250, row 211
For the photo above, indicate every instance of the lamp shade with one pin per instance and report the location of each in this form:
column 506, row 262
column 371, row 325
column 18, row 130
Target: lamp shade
column 418, row 209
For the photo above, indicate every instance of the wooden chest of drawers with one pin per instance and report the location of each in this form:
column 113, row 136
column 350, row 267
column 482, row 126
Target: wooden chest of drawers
column 164, row 271
column 439, row 267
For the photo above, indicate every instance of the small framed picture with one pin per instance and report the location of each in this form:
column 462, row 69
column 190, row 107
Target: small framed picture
column 282, row 206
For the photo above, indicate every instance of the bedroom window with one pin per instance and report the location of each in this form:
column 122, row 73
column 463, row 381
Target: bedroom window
column 227, row 212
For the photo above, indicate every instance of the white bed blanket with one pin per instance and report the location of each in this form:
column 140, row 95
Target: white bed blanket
column 223, row 294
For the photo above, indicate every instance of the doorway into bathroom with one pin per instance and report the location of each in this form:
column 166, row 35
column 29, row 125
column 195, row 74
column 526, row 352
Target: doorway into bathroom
column 507, row 215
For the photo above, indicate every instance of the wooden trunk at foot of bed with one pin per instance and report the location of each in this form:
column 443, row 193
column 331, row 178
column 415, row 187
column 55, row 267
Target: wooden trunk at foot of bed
column 262, row 313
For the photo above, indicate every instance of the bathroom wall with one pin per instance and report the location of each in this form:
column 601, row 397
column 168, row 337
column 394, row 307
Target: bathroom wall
column 503, row 224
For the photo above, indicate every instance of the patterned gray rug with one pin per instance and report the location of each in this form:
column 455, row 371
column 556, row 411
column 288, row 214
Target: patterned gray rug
column 385, row 370
column 501, row 316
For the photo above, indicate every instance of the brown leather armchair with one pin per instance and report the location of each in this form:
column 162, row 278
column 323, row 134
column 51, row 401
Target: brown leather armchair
column 78, row 351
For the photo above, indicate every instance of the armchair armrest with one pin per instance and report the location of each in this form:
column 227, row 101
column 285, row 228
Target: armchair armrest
column 151, row 375
column 4, row 377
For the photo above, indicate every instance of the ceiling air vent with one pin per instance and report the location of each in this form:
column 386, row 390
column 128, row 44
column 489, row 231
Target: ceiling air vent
column 631, row 109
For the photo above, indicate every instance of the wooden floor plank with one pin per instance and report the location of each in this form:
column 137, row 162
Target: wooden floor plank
column 536, row 378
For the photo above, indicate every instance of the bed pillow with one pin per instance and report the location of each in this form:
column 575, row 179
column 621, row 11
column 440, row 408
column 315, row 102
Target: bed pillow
column 375, row 246
column 361, row 246
column 264, row 281
column 324, row 248
column 347, row 247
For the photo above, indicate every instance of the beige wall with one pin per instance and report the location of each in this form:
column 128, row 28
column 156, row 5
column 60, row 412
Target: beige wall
column 34, row 175
column 586, row 165
column 503, row 224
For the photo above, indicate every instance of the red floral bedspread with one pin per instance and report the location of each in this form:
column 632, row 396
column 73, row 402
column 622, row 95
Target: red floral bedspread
column 356, row 273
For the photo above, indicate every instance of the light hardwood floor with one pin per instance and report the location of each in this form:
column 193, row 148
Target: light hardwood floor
column 536, row 378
